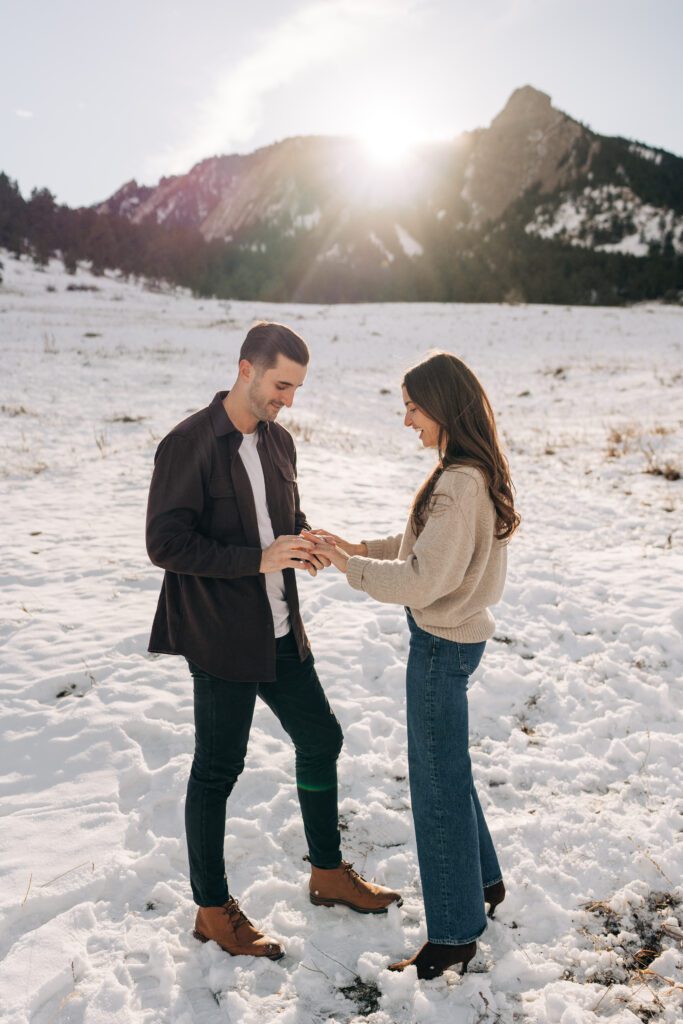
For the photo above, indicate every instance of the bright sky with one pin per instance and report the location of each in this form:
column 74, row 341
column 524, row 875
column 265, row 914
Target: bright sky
column 94, row 95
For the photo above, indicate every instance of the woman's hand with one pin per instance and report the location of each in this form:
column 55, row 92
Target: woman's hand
column 325, row 546
column 345, row 545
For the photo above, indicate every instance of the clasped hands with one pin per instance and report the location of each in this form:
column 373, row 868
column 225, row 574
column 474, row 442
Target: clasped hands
column 311, row 550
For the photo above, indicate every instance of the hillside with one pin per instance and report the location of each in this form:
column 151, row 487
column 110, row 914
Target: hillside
column 536, row 207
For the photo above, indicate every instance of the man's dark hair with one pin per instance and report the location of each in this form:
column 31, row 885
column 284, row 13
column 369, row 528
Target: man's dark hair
column 266, row 341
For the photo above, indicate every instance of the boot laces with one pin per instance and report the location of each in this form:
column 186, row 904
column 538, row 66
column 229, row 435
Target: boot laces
column 236, row 915
column 358, row 881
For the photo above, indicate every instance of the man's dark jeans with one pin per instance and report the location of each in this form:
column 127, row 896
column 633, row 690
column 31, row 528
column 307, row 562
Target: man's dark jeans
column 223, row 712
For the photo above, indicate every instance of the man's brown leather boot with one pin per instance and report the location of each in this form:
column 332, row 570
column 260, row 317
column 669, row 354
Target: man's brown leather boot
column 234, row 932
column 345, row 886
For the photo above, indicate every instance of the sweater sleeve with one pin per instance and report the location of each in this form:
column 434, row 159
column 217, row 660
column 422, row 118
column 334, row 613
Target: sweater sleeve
column 441, row 554
column 384, row 547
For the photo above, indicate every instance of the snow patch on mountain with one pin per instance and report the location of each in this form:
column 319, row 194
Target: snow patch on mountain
column 410, row 245
column 645, row 152
column 386, row 253
column 166, row 210
column 307, row 221
column 332, row 254
column 608, row 218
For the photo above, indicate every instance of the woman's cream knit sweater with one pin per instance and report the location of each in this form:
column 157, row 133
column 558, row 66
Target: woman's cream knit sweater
column 452, row 572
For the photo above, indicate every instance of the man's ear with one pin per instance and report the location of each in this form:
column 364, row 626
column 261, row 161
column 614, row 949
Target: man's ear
column 246, row 370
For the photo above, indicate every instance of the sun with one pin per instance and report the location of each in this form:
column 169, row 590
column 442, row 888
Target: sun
column 386, row 146
column 387, row 135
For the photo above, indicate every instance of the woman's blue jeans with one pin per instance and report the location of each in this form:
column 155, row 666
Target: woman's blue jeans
column 454, row 847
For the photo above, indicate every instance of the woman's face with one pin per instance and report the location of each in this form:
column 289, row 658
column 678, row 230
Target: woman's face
column 427, row 428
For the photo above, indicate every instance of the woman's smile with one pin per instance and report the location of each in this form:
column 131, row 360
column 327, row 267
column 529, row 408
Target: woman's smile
column 426, row 428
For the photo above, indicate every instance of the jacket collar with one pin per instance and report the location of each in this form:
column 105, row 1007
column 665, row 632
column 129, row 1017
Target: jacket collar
column 221, row 422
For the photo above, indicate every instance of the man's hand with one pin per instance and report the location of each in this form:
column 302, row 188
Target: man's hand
column 326, row 547
column 291, row 553
column 345, row 545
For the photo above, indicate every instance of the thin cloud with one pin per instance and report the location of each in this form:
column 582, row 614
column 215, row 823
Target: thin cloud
column 23, row 113
column 514, row 12
column 312, row 36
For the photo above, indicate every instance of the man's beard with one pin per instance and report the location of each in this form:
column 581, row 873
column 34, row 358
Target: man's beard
column 265, row 411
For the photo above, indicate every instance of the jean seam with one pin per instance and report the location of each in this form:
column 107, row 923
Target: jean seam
column 462, row 661
column 442, row 871
column 212, row 733
column 451, row 941
column 494, row 881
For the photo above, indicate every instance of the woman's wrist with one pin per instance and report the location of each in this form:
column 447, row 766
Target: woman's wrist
column 340, row 559
column 361, row 549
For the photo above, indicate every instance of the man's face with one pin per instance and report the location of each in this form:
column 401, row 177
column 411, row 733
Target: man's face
column 269, row 390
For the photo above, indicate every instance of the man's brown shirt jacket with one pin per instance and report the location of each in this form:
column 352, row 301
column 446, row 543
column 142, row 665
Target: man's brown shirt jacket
column 202, row 529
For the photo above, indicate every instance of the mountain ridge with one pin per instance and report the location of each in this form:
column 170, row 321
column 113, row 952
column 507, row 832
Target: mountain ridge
column 535, row 207
column 528, row 143
column 469, row 183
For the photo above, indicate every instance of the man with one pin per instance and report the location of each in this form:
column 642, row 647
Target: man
column 224, row 520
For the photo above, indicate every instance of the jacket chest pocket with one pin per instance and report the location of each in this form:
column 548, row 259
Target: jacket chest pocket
column 286, row 482
column 224, row 515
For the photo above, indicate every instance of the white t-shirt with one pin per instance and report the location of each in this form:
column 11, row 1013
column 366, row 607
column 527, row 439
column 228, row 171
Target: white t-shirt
column 275, row 581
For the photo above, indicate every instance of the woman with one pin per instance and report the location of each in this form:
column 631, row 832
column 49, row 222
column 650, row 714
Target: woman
column 447, row 568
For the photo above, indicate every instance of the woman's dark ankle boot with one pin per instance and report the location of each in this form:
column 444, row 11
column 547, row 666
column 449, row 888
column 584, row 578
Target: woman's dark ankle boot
column 493, row 895
column 433, row 959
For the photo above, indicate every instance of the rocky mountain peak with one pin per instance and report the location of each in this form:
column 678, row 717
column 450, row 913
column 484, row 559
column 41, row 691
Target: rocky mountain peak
column 526, row 104
column 528, row 144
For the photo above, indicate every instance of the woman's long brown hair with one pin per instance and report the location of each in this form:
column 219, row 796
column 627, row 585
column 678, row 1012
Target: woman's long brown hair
column 446, row 390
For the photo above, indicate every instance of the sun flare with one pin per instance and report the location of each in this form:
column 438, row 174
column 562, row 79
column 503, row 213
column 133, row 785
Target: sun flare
column 387, row 133
column 390, row 140
column 386, row 147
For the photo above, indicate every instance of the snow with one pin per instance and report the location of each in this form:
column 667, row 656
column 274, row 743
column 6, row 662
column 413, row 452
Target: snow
column 646, row 153
column 307, row 221
column 377, row 241
column 163, row 212
column 612, row 208
column 575, row 711
column 410, row 245
column 334, row 253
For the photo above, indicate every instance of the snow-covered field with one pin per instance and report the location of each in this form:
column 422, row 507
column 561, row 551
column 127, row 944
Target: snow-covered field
column 576, row 709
